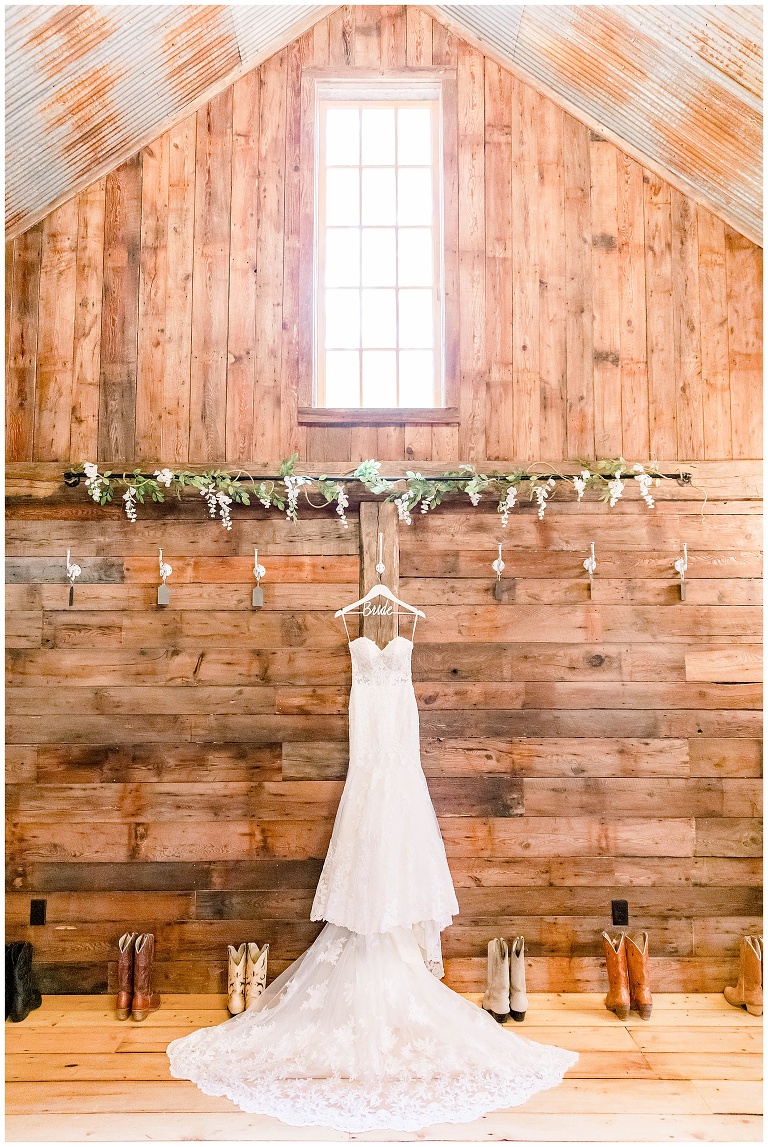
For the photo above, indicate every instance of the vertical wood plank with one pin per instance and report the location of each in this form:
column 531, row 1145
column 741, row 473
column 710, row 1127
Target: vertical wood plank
column 320, row 43
column 470, row 95
column 119, row 312
column 390, row 442
column 341, row 35
column 551, row 238
column 634, row 362
column 605, row 297
column 244, row 223
column 578, row 269
column 526, row 274
column 744, row 269
column 499, row 240
column 153, row 279
column 393, row 36
column 445, row 439
column 269, row 258
column 378, row 518
column 419, row 36
column 87, row 339
column 178, row 312
column 662, row 403
column 367, row 37
column 210, row 297
column 56, row 332
column 687, row 327
column 22, row 338
column 418, row 443
column 713, row 299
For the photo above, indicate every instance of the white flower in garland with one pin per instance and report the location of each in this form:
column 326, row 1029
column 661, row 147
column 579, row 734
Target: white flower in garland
column 506, row 504
column 541, row 492
column 403, row 511
column 615, row 489
column 580, row 483
column 92, row 480
column 645, row 481
column 224, row 502
column 129, row 498
column 164, row 476
column 264, row 498
column 342, row 501
column 293, row 483
column 208, row 493
column 424, row 505
column 474, row 497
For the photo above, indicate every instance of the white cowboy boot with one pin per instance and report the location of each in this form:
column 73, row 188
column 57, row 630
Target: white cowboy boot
column 236, row 979
column 518, row 1001
column 255, row 973
column 496, row 998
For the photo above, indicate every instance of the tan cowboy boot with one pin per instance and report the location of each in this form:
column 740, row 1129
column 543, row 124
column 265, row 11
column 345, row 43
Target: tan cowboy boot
column 748, row 992
column 145, row 1000
column 640, row 999
column 125, row 947
column 496, row 998
column 255, row 973
column 518, row 1000
column 236, row 979
column 617, row 999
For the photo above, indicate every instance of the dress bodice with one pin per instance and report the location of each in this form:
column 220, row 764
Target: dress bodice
column 374, row 666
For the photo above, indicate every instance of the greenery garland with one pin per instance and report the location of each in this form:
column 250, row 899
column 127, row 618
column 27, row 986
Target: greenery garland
column 221, row 489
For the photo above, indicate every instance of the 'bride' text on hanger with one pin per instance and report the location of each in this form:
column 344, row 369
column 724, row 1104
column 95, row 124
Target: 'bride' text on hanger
column 381, row 610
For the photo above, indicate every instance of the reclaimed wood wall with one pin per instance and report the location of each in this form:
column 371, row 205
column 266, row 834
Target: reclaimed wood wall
column 178, row 770
column 155, row 316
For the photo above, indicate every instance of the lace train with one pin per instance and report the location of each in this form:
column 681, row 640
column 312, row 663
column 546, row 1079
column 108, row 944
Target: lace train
column 358, row 1035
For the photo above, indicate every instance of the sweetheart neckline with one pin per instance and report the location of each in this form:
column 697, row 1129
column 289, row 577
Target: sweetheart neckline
column 370, row 640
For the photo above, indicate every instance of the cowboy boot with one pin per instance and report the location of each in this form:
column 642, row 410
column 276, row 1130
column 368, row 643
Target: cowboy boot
column 236, row 979
column 496, row 998
column 125, row 946
column 749, row 989
column 255, row 973
column 518, row 1000
column 24, row 996
column 617, row 999
column 144, row 999
column 640, row 999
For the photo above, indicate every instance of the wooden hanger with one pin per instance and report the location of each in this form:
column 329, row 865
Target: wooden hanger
column 378, row 590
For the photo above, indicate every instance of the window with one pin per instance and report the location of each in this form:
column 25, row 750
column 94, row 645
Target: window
column 378, row 247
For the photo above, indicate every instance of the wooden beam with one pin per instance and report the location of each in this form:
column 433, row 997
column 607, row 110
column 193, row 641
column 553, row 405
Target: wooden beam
column 378, row 519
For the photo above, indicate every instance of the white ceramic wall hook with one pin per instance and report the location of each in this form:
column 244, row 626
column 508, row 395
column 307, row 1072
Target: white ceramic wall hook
column 73, row 571
column 163, row 592
column 681, row 565
column 590, row 565
column 498, row 568
column 257, row 597
column 380, row 567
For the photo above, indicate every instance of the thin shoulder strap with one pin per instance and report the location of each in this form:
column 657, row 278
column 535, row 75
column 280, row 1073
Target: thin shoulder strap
column 413, row 632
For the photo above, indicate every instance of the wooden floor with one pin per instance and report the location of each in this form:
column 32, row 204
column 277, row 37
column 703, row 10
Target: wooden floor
column 691, row 1073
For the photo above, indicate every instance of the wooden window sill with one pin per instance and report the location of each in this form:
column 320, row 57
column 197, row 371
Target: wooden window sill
column 377, row 416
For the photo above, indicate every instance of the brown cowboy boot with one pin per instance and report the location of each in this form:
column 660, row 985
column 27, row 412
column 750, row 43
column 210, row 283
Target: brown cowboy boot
column 749, row 989
column 144, row 999
column 617, row 999
column 639, row 976
column 125, row 947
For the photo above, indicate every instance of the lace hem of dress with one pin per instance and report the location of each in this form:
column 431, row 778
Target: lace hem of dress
column 405, row 1104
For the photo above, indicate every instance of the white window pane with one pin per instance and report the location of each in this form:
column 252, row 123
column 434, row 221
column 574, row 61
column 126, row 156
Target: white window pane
column 416, row 319
column 342, row 318
column 417, row 381
column 342, row 378
column 414, row 248
column 414, row 135
column 342, row 136
column 342, row 197
column 379, row 378
column 342, row 257
column 414, row 195
column 378, row 196
column 379, row 319
column 379, row 246
column 378, row 135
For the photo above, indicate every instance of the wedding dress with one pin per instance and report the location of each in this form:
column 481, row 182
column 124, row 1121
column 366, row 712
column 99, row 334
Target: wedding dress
column 358, row 1033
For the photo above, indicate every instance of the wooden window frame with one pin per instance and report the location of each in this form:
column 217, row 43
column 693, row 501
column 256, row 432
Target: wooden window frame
column 322, row 83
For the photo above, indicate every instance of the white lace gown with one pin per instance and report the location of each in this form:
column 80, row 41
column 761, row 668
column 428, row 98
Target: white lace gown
column 358, row 1034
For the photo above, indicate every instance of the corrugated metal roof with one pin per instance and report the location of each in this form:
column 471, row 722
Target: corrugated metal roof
column 681, row 84
column 87, row 84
